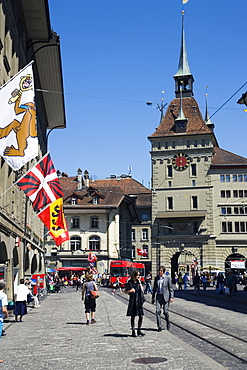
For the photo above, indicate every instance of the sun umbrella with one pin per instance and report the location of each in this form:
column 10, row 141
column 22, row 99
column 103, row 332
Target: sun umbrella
column 209, row 267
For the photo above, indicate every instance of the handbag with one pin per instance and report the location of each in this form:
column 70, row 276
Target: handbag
column 94, row 294
column 29, row 298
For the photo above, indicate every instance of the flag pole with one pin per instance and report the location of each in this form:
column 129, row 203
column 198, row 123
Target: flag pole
column 6, row 83
column 24, row 174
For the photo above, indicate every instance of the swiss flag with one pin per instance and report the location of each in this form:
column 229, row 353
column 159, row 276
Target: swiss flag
column 142, row 253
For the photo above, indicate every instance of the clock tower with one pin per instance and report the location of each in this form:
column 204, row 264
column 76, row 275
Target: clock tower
column 182, row 151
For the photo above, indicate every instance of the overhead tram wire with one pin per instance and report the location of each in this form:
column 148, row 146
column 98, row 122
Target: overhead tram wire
column 132, row 101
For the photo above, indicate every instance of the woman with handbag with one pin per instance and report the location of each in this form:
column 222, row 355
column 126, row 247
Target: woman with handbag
column 135, row 290
column 90, row 301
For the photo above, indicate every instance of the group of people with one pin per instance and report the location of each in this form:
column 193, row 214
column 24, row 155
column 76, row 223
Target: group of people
column 162, row 296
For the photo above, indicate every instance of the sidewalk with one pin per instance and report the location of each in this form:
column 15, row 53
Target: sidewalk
column 55, row 336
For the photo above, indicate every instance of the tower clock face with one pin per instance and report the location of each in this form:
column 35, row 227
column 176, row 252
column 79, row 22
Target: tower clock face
column 180, row 161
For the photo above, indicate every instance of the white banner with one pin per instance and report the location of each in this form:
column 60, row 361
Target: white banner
column 240, row 264
column 18, row 130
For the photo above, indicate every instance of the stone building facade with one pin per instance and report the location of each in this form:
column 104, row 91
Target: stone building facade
column 199, row 191
column 101, row 216
column 25, row 31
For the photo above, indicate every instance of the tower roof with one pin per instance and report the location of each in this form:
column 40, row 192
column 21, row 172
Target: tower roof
column 196, row 124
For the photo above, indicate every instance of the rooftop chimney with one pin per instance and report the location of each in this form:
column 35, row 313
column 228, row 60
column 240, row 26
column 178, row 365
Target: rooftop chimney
column 86, row 178
column 79, row 179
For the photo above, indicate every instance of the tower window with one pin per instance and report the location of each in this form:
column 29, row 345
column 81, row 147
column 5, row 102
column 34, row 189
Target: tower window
column 170, row 203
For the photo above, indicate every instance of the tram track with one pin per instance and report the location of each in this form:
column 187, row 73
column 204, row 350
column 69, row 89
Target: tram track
column 230, row 344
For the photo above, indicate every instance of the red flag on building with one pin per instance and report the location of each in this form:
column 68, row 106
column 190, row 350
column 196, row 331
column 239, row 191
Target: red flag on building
column 41, row 183
column 142, row 253
column 53, row 218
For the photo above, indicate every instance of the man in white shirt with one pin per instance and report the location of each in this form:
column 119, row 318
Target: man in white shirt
column 163, row 295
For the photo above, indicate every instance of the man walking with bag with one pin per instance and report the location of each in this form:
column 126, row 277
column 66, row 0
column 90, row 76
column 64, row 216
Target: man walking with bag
column 163, row 295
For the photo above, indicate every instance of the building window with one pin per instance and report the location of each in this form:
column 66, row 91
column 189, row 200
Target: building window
column 203, row 142
column 169, row 203
column 235, row 193
column 193, row 169
column 169, row 170
column 94, row 243
column 133, row 234
column 193, row 182
column 228, row 178
column 73, row 201
column 133, row 252
column 194, row 202
column 96, row 200
column 195, row 143
column 245, row 178
column 188, row 144
column 227, row 227
column 236, row 210
column 75, row 243
column 173, row 145
column 158, row 145
column 240, row 178
column 222, row 178
column 94, row 222
column 75, row 222
column 236, row 227
column 169, row 184
column 144, row 234
column 228, row 193
column 241, row 194
column 144, row 217
column 234, row 178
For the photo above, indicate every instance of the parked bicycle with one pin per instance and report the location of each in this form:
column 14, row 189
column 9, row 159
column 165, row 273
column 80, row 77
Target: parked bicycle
column 42, row 293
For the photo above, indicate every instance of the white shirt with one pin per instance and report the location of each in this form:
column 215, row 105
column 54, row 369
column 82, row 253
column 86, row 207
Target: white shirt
column 160, row 285
column 4, row 299
column 21, row 292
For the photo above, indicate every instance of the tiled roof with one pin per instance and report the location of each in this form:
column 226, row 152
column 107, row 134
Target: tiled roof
column 112, row 191
column 128, row 185
column 196, row 124
column 224, row 158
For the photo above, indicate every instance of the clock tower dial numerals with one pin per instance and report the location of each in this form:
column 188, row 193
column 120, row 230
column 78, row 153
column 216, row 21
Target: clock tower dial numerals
column 181, row 161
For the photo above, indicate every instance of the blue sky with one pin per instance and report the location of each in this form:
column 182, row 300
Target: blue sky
column 119, row 54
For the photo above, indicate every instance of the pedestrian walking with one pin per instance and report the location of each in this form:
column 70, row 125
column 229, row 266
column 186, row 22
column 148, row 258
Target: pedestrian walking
column 136, row 299
column 221, row 283
column 180, row 281
column 163, row 295
column 204, row 281
column 185, row 281
column 90, row 301
column 196, row 283
column 148, row 280
column 4, row 304
column 117, row 285
column 21, row 300
column 176, row 280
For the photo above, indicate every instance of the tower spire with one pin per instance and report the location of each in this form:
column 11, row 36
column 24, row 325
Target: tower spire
column 183, row 78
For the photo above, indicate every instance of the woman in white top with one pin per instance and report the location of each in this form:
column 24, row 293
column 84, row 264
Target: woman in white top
column 21, row 300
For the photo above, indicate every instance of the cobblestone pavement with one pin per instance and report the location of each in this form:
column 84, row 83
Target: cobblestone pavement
column 55, row 336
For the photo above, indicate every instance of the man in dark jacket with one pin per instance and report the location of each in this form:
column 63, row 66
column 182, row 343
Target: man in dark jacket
column 163, row 295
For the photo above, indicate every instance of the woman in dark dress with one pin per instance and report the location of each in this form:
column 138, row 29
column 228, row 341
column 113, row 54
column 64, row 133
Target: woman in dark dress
column 135, row 290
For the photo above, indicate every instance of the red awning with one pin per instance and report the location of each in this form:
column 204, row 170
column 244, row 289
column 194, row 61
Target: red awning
column 71, row 269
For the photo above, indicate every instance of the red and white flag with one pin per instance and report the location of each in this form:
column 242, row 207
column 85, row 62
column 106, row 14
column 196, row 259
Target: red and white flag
column 41, row 183
column 18, row 128
column 142, row 252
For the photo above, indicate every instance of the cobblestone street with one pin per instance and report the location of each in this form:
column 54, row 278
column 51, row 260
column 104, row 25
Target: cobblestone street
column 55, row 336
